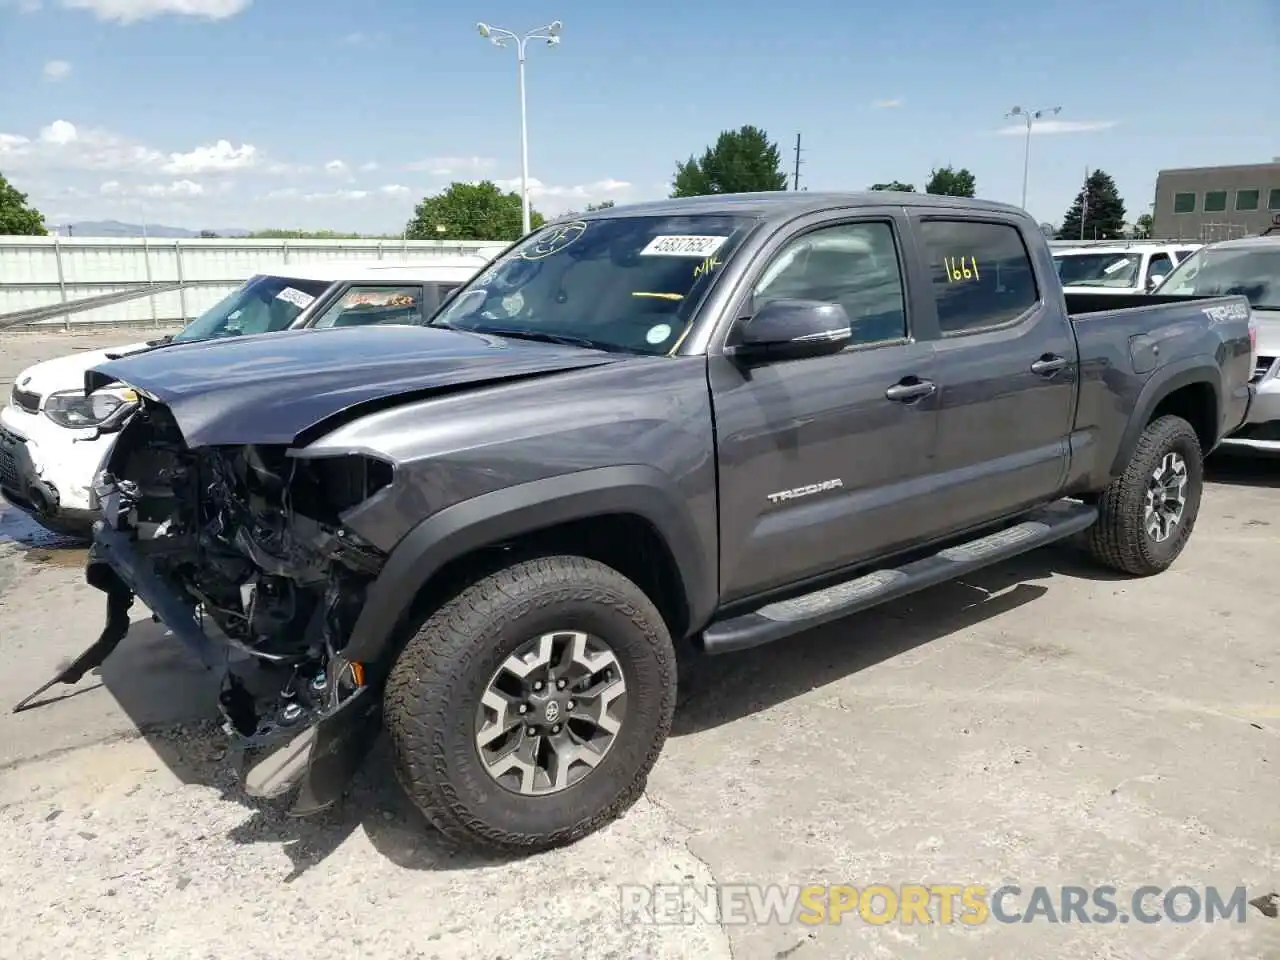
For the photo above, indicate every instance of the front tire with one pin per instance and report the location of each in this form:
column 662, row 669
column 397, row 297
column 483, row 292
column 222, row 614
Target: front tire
column 1146, row 515
column 527, row 711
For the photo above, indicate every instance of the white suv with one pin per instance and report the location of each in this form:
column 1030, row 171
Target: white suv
column 52, row 439
column 1118, row 266
column 1249, row 266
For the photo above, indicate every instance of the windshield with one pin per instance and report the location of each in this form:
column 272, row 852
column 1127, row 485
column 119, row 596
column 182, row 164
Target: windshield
column 264, row 304
column 618, row 283
column 1119, row 269
column 1247, row 271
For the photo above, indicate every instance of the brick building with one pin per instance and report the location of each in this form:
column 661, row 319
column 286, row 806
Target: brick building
column 1216, row 203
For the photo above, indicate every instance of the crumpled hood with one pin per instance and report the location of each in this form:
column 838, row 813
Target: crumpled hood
column 272, row 387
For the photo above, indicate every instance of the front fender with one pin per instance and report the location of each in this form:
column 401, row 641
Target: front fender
column 505, row 514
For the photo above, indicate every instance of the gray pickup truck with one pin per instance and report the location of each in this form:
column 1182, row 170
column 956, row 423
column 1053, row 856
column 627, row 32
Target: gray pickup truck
column 708, row 423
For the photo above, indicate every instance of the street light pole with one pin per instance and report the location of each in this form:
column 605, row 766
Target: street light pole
column 499, row 37
column 1029, row 117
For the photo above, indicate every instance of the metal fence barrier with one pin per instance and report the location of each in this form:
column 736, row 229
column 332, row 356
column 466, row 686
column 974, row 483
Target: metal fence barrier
column 37, row 314
column 140, row 281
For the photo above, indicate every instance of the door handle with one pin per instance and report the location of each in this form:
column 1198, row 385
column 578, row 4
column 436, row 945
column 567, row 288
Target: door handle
column 1048, row 365
column 909, row 389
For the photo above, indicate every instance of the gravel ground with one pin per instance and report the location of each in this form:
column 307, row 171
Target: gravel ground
column 1040, row 723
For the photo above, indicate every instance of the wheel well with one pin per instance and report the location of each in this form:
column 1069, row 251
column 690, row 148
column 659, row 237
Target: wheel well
column 626, row 542
column 1196, row 404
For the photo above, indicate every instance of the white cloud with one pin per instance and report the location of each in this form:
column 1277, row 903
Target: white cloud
column 63, row 146
column 394, row 190
column 449, row 166
column 277, row 168
column 178, row 189
column 368, row 167
column 22, row 6
column 335, row 195
column 56, row 70
column 887, row 104
column 131, row 11
column 60, row 133
column 335, row 166
column 550, row 198
column 1045, row 127
column 215, row 158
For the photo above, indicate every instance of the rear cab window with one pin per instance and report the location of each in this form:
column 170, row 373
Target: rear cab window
column 368, row 304
column 981, row 273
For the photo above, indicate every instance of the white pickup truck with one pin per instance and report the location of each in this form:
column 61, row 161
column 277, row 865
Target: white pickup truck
column 52, row 436
column 1118, row 266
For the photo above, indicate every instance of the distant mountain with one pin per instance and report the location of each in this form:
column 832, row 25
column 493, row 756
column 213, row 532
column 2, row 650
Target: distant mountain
column 114, row 228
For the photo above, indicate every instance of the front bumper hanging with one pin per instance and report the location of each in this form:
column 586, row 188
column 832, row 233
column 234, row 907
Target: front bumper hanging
column 318, row 759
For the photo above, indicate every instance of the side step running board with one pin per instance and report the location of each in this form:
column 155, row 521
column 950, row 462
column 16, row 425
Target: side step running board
column 786, row 617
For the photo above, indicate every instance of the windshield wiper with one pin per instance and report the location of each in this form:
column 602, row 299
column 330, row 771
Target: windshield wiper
column 542, row 337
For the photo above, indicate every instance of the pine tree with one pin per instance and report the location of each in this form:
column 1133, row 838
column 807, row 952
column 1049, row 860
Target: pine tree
column 1102, row 214
column 741, row 161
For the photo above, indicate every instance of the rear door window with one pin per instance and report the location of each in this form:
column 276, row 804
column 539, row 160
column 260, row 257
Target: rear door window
column 981, row 273
column 365, row 305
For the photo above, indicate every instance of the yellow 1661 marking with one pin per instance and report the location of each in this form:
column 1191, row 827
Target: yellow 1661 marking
column 961, row 268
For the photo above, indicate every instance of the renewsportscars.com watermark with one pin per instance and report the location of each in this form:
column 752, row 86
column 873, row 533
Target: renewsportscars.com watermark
column 916, row 903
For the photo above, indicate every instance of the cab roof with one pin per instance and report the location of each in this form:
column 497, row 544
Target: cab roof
column 787, row 204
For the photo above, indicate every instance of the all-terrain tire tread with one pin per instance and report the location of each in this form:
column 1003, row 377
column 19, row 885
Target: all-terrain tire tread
column 415, row 695
column 1117, row 540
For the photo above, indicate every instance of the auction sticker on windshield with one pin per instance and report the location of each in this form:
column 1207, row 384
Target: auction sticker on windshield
column 673, row 245
column 296, row 297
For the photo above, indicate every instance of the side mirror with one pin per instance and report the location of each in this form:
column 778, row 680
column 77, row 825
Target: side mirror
column 792, row 330
column 1154, row 281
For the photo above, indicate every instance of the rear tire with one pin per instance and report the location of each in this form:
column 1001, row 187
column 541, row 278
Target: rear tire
column 463, row 691
column 1146, row 515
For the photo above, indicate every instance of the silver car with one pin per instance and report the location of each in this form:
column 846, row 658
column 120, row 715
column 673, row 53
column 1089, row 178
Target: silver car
column 1251, row 267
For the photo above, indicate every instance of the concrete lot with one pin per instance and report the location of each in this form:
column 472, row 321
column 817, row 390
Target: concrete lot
column 1039, row 724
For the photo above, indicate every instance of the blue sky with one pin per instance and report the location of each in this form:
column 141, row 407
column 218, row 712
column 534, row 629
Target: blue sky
column 332, row 113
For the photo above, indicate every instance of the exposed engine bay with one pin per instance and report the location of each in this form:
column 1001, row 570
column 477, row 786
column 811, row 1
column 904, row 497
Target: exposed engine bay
column 241, row 552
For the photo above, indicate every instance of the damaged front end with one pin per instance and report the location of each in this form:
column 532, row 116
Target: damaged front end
column 241, row 552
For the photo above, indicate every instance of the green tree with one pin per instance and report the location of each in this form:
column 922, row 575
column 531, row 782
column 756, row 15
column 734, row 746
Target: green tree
column 470, row 211
column 895, row 186
column 17, row 219
column 947, row 182
column 1142, row 226
column 591, row 207
column 740, row 161
column 1097, row 208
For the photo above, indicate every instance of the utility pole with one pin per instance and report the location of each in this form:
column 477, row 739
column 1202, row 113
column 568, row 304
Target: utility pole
column 795, row 182
column 1084, row 206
